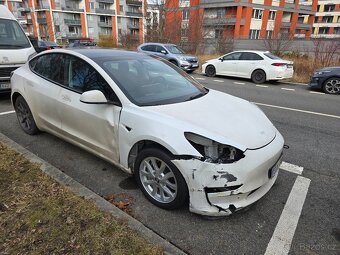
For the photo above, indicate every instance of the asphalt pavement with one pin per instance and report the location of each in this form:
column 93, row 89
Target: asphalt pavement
column 310, row 124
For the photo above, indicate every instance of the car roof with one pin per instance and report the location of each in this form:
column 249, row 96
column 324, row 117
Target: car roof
column 252, row 51
column 162, row 44
column 5, row 13
column 97, row 53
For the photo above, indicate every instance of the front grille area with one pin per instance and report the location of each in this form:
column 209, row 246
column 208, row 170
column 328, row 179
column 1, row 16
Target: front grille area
column 193, row 60
column 6, row 71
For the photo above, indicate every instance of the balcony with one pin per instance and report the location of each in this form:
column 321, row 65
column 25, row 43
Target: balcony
column 73, row 35
column 134, row 2
column 71, row 8
column 104, row 24
column 226, row 21
column 73, row 22
column 42, row 20
column 133, row 26
column 106, row 1
column 105, row 11
column 285, row 24
column 24, row 9
column 304, row 26
column 220, row 3
column 43, row 5
column 134, row 13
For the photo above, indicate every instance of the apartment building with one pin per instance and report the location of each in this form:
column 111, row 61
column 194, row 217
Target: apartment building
column 62, row 20
column 254, row 19
column 327, row 19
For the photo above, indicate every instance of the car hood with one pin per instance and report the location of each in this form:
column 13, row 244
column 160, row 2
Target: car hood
column 223, row 118
column 331, row 68
column 187, row 56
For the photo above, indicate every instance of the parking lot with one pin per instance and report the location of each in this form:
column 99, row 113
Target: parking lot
column 300, row 214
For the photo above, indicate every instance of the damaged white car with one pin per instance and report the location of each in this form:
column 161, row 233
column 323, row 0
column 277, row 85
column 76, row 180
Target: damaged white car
column 184, row 143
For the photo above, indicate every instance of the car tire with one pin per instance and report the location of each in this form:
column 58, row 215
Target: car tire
column 160, row 180
column 332, row 86
column 258, row 76
column 210, row 71
column 173, row 62
column 25, row 116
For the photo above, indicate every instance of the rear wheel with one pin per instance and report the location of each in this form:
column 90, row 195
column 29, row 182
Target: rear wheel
column 25, row 116
column 332, row 86
column 160, row 180
column 258, row 76
column 210, row 71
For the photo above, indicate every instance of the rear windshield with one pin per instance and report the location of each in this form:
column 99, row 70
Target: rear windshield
column 12, row 36
column 271, row 56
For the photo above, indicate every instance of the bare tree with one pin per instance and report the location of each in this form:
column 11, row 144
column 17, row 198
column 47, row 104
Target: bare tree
column 279, row 44
column 326, row 51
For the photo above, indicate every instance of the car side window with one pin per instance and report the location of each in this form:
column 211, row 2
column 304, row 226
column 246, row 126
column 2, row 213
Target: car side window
column 45, row 66
column 250, row 56
column 83, row 77
column 159, row 49
column 232, row 56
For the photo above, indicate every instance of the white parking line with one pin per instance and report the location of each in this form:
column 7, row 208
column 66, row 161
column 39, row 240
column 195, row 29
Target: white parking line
column 314, row 92
column 291, row 168
column 284, row 232
column 240, row 83
column 298, row 110
column 288, row 89
column 199, row 78
column 218, row 80
column 262, row 86
column 4, row 113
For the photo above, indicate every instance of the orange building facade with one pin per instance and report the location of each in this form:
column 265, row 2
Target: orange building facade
column 61, row 20
column 191, row 20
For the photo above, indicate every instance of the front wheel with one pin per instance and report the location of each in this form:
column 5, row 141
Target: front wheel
column 25, row 116
column 258, row 76
column 210, row 71
column 332, row 86
column 160, row 180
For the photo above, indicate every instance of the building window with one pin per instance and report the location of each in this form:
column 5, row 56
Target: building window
column 337, row 30
column 185, row 14
column 269, row 34
column 323, row 30
column 91, row 30
column 327, row 19
column 220, row 13
column 57, row 29
column 92, row 5
column 121, row 7
column 272, row 15
column 329, row 8
column 218, row 33
column 254, row 34
column 119, row 20
column 119, row 31
column 257, row 14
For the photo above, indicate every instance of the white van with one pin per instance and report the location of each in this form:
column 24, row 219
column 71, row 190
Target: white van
column 15, row 48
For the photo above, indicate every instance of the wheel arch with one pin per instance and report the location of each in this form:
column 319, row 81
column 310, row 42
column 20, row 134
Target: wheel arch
column 15, row 96
column 259, row 69
column 139, row 146
column 327, row 79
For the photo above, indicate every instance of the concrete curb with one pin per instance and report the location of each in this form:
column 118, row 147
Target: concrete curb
column 101, row 203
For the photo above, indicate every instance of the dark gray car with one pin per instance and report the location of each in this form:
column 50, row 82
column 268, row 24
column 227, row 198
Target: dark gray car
column 327, row 79
column 172, row 53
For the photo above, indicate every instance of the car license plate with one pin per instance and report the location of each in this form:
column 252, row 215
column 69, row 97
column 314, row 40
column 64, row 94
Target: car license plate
column 195, row 65
column 272, row 171
column 5, row 85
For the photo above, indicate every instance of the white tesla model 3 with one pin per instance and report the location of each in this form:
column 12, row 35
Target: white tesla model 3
column 183, row 142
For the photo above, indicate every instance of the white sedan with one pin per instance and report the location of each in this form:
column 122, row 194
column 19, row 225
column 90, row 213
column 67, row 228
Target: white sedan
column 259, row 66
column 185, row 144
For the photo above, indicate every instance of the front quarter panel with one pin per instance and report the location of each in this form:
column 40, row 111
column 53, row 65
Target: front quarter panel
column 138, row 124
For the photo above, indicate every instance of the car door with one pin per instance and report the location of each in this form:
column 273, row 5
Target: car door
column 248, row 63
column 228, row 64
column 44, row 89
column 94, row 126
column 160, row 52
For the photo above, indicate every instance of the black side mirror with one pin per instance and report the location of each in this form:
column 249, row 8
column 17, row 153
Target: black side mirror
column 221, row 59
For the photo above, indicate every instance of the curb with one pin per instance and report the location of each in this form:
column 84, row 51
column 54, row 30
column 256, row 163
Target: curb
column 101, row 203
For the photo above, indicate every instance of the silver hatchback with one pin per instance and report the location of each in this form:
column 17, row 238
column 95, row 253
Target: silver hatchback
column 172, row 53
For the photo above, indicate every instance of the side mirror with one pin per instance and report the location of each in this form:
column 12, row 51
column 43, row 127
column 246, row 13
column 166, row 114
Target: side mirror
column 164, row 52
column 93, row 97
column 221, row 59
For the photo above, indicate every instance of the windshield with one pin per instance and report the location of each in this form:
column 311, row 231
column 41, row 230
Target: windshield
column 271, row 56
column 12, row 36
column 174, row 49
column 148, row 81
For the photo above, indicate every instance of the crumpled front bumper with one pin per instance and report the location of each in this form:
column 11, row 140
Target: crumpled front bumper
column 221, row 189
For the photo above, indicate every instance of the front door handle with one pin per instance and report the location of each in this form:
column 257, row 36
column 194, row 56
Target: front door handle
column 65, row 98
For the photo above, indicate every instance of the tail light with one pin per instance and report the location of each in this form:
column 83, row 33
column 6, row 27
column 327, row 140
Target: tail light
column 279, row 64
column 49, row 48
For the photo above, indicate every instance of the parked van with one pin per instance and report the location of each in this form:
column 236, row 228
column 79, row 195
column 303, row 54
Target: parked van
column 15, row 48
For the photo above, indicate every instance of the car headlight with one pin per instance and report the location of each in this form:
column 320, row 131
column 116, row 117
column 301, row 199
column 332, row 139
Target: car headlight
column 321, row 72
column 183, row 58
column 213, row 151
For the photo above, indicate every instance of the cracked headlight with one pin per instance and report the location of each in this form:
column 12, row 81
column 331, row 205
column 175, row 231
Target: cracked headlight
column 213, row 151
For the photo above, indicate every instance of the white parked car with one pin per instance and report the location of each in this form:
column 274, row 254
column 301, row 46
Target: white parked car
column 183, row 142
column 259, row 66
